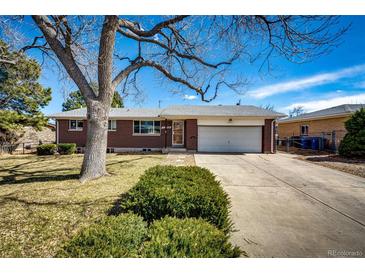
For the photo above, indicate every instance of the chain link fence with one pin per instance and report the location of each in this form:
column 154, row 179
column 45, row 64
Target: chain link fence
column 21, row 148
column 316, row 141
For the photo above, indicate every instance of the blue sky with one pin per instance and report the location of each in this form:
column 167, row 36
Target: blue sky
column 332, row 79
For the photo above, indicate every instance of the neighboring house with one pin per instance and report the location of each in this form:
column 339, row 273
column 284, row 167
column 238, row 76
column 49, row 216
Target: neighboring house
column 30, row 138
column 193, row 128
column 36, row 137
column 322, row 123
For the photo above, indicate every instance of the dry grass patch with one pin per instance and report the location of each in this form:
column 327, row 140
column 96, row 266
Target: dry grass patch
column 42, row 203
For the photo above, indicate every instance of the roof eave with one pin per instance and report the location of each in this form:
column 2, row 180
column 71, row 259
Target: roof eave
column 315, row 118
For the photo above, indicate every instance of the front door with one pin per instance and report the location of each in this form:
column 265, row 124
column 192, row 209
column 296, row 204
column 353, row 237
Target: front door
column 177, row 133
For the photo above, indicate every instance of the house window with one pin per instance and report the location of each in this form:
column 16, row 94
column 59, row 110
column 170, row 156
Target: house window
column 304, row 130
column 112, row 125
column 146, row 127
column 76, row 125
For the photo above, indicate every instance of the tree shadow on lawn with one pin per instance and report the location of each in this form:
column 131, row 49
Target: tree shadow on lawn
column 116, row 209
column 112, row 162
column 11, row 179
column 44, row 175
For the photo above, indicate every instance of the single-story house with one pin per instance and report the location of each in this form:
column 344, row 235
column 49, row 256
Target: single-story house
column 235, row 128
column 320, row 123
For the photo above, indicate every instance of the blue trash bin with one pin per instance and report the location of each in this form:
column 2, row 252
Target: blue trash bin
column 305, row 142
column 315, row 143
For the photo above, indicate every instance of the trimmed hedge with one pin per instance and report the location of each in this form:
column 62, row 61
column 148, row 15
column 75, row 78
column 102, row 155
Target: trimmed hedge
column 66, row 149
column 113, row 236
column 187, row 238
column 184, row 191
column 353, row 144
column 47, row 149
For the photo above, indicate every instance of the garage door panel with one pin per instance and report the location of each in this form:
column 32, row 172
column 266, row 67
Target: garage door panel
column 229, row 139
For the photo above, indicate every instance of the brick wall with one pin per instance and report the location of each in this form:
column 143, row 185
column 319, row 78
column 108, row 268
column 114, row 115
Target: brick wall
column 66, row 136
column 122, row 137
column 191, row 134
column 267, row 136
column 315, row 127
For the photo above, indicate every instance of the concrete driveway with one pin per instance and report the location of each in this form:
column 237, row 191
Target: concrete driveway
column 283, row 207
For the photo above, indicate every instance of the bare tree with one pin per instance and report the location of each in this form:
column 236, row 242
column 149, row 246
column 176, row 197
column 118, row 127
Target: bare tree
column 194, row 52
column 296, row 111
column 268, row 107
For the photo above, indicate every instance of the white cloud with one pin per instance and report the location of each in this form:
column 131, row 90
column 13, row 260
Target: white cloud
column 327, row 103
column 361, row 85
column 189, row 97
column 300, row 84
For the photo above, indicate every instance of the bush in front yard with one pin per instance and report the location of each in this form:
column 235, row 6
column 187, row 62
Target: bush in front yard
column 66, row 149
column 114, row 236
column 187, row 238
column 47, row 149
column 184, row 191
column 353, row 144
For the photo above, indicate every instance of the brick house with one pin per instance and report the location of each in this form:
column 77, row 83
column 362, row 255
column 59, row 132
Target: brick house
column 192, row 128
column 318, row 123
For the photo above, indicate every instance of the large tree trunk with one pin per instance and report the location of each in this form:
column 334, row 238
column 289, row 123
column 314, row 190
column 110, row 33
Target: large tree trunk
column 94, row 163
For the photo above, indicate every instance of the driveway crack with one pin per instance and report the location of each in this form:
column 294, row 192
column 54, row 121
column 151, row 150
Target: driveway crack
column 305, row 193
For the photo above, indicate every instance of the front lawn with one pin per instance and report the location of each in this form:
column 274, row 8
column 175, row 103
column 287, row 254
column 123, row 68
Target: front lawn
column 42, row 204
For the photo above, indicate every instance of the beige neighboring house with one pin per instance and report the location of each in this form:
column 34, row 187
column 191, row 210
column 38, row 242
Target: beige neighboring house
column 322, row 123
column 32, row 137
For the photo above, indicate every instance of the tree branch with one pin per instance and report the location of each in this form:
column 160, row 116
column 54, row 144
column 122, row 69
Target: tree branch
column 105, row 59
column 174, row 51
column 148, row 63
column 156, row 29
column 65, row 57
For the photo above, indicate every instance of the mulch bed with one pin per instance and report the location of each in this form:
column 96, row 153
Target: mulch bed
column 355, row 166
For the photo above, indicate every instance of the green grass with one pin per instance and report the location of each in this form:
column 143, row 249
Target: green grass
column 42, row 203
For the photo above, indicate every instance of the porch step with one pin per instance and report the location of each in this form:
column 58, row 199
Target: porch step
column 175, row 150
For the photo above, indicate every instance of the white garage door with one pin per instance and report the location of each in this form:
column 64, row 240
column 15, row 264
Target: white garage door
column 229, row 139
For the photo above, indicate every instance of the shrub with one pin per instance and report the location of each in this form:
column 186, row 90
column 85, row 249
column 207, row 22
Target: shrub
column 46, row 149
column 113, row 236
column 181, row 192
column 66, row 149
column 353, row 144
column 187, row 238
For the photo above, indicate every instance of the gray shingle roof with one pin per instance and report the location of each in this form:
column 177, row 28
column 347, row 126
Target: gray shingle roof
column 224, row 110
column 114, row 113
column 333, row 111
column 178, row 110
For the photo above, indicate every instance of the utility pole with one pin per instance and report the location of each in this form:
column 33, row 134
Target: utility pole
column 159, row 103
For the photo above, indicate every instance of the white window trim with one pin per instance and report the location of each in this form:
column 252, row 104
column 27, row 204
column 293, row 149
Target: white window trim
column 115, row 125
column 301, row 130
column 146, row 134
column 77, row 128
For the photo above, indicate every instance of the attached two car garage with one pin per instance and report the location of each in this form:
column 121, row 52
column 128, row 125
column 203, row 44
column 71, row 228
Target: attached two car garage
column 213, row 138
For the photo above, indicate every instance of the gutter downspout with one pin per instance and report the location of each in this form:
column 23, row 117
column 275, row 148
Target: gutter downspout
column 272, row 136
column 57, row 132
column 165, row 133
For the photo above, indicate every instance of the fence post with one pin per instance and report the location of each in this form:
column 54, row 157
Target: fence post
column 23, row 148
column 287, row 144
column 334, row 144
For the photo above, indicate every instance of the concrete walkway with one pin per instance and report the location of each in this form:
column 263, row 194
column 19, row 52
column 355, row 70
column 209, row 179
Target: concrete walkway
column 180, row 159
column 283, row 207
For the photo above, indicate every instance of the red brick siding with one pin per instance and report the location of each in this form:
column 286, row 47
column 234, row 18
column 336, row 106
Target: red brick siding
column 122, row 137
column 66, row 136
column 267, row 136
column 191, row 134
